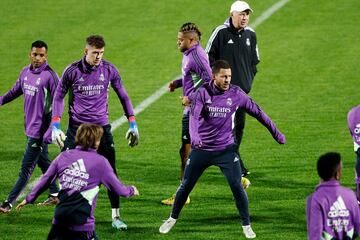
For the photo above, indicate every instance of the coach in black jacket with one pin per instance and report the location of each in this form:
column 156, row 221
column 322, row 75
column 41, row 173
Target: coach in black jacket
column 236, row 43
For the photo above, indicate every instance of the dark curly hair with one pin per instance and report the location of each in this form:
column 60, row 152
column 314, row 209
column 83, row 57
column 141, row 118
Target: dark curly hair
column 190, row 28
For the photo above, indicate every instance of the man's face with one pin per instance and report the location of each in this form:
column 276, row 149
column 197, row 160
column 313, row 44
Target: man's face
column 93, row 55
column 184, row 41
column 38, row 56
column 240, row 19
column 222, row 79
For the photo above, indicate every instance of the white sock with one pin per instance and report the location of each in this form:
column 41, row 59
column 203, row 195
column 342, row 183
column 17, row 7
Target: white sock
column 115, row 213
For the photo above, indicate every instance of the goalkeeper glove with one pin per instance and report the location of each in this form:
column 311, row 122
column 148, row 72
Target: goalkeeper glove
column 132, row 134
column 57, row 136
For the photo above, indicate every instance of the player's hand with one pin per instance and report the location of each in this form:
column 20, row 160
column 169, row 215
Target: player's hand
column 132, row 135
column 280, row 138
column 172, row 86
column 196, row 142
column 185, row 101
column 57, row 136
column 136, row 191
column 21, row 205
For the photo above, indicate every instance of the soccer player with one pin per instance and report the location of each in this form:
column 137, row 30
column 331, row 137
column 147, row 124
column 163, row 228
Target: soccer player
column 332, row 211
column 88, row 81
column 195, row 71
column 37, row 82
column 354, row 127
column 212, row 140
column 235, row 42
column 80, row 172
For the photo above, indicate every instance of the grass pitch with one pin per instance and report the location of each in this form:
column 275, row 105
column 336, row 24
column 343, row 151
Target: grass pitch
column 307, row 82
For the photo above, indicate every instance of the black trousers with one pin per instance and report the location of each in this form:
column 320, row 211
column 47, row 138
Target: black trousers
column 239, row 125
column 199, row 161
column 63, row 233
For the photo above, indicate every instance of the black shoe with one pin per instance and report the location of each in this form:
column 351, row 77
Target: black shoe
column 244, row 171
column 5, row 207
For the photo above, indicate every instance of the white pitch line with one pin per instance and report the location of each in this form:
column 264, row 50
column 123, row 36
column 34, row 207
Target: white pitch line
column 142, row 106
column 270, row 11
column 161, row 91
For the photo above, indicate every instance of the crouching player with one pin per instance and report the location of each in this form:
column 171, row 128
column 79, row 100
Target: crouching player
column 80, row 172
column 354, row 127
column 212, row 108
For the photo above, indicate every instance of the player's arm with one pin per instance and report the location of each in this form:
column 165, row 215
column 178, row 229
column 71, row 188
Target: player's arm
column 314, row 219
column 12, row 94
column 202, row 68
column 133, row 133
column 195, row 112
column 353, row 120
column 52, row 83
column 112, row 183
column 175, row 84
column 255, row 111
column 58, row 136
column 41, row 186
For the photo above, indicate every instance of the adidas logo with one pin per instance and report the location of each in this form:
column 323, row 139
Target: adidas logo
column 236, row 159
column 230, row 41
column 208, row 101
column 25, row 79
column 338, row 209
column 77, row 169
column 81, row 79
column 184, row 137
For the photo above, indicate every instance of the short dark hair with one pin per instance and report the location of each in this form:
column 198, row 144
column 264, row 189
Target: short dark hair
column 190, row 27
column 328, row 164
column 219, row 64
column 95, row 41
column 88, row 135
column 39, row 44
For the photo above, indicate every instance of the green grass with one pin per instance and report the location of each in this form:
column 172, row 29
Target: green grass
column 307, row 82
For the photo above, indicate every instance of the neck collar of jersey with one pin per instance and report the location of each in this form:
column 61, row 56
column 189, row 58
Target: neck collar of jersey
column 86, row 66
column 39, row 69
column 191, row 49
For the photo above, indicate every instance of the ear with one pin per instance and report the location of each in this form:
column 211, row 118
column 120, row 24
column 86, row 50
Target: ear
column 338, row 173
column 85, row 51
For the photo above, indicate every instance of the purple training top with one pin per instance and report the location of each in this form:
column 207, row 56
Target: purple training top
column 212, row 113
column 38, row 86
column 354, row 125
column 81, row 172
column 195, row 70
column 332, row 212
column 89, row 87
